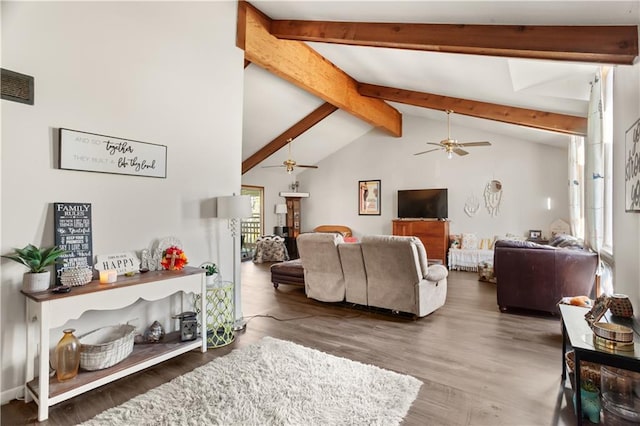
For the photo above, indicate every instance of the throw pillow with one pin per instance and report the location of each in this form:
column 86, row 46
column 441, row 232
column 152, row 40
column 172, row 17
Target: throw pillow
column 455, row 241
column 469, row 241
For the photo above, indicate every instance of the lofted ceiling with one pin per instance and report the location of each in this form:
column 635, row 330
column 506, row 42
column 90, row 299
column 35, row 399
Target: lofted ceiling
column 324, row 106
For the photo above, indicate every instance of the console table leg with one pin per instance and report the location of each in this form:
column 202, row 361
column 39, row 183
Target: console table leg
column 564, row 351
column 43, row 380
column 576, row 391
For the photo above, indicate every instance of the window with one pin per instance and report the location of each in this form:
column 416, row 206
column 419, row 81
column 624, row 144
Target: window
column 251, row 228
column 606, row 253
column 607, row 123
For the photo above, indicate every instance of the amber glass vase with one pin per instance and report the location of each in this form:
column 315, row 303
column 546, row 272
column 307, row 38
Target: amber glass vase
column 68, row 356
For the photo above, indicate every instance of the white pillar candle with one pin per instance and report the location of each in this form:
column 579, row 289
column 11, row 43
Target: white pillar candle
column 108, row 276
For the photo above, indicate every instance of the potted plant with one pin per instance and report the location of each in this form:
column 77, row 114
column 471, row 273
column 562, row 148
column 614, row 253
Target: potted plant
column 590, row 401
column 211, row 272
column 37, row 260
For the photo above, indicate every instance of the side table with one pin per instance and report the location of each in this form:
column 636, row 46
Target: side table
column 219, row 314
column 576, row 332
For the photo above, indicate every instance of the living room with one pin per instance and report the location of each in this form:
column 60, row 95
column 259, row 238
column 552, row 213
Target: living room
column 137, row 71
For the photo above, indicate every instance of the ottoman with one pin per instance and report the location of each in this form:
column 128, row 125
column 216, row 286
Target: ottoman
column 289, row 272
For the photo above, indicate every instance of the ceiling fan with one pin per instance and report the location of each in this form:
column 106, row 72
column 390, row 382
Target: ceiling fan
column 290, row 163
column 451, row 146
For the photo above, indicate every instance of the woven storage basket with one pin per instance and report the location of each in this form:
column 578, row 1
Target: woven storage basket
column 589, row 370
column 76, row 277
column 106, row 346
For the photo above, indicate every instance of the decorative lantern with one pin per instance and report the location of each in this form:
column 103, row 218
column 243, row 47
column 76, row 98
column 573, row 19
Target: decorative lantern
column 188, row 326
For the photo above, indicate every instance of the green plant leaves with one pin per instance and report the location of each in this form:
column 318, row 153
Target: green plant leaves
column 34, row 258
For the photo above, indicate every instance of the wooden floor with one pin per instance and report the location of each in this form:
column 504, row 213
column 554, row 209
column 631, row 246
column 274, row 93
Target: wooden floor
column 478, row 366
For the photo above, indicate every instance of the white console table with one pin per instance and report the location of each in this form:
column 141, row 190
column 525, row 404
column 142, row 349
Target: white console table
column 47, row 310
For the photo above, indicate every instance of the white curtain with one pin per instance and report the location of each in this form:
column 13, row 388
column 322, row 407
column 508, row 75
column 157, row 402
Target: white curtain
column 594, row 167
column 576, row 186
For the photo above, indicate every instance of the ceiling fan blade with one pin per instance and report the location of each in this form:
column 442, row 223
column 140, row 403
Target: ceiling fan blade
column 430, row 150
column 433, row 143
column 268, row 167
column 460, row 151
column 483, row 143
column 306, row 167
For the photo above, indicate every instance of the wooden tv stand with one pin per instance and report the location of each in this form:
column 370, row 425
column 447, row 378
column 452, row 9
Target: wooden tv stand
column 433, row 233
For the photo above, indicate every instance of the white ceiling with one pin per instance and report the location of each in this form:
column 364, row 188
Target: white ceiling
column 272, row 105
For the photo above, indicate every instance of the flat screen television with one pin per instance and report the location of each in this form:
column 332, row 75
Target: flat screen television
column 423, row 203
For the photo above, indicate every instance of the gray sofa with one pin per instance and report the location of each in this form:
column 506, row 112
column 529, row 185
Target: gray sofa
column 389, row 272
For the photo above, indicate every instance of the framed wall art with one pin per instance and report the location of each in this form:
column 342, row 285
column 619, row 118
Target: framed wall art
column 369, row 197
column 632, row 168
column 535, row 234
column 91, row 152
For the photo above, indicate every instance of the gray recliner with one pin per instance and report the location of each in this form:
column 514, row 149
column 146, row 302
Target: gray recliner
column 399, row 277
column 323, row 277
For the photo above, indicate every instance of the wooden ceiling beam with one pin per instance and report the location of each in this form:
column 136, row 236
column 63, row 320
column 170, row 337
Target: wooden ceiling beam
column 561, row 123
column 292, row 132
column 600, row 44
column 297, row 63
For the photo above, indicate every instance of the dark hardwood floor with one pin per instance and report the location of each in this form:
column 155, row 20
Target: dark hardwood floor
column 478, row 366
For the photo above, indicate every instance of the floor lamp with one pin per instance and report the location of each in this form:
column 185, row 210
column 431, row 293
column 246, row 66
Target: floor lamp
column 280, row 209
column 234, row 208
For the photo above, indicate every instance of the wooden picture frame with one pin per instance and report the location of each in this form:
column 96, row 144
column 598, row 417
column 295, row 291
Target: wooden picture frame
column 632, row 174
column 369, row 198
column 535, row 234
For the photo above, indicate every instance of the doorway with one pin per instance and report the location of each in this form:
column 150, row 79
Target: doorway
column 252, row 227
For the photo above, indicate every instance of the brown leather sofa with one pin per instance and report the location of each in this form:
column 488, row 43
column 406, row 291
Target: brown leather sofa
column 535, row 277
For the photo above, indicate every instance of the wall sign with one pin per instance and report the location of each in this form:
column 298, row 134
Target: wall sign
column 72, row 222
column 632, row 168
column 121, row 262
column 98, row 153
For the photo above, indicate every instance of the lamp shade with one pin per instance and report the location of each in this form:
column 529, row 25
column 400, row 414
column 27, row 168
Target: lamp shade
column 234, row 206
column 281, row 209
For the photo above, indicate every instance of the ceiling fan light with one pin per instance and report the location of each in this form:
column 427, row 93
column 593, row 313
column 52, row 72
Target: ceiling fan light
column 449, row 155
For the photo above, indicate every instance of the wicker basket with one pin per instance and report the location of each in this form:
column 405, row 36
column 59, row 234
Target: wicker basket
column 589, row 370
column 106, row 346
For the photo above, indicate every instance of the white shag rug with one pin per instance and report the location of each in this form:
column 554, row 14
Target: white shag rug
column 273, row 382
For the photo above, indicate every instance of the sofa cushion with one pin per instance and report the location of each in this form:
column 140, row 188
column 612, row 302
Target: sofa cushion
column 565, row 240
column 522, row 244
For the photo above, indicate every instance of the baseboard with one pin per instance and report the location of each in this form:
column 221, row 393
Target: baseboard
column 11, row 394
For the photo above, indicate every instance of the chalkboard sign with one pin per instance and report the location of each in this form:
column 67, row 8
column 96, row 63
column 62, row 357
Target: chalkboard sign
column 72, row 223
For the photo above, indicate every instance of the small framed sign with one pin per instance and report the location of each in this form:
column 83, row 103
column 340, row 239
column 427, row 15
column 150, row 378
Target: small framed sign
column 120, row 262
column 98, row 153
column 72, row 223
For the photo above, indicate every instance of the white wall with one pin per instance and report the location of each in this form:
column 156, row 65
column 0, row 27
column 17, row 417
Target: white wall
column 167, row 73
column 273, row 181
column 529, row 173
column 626, row 226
